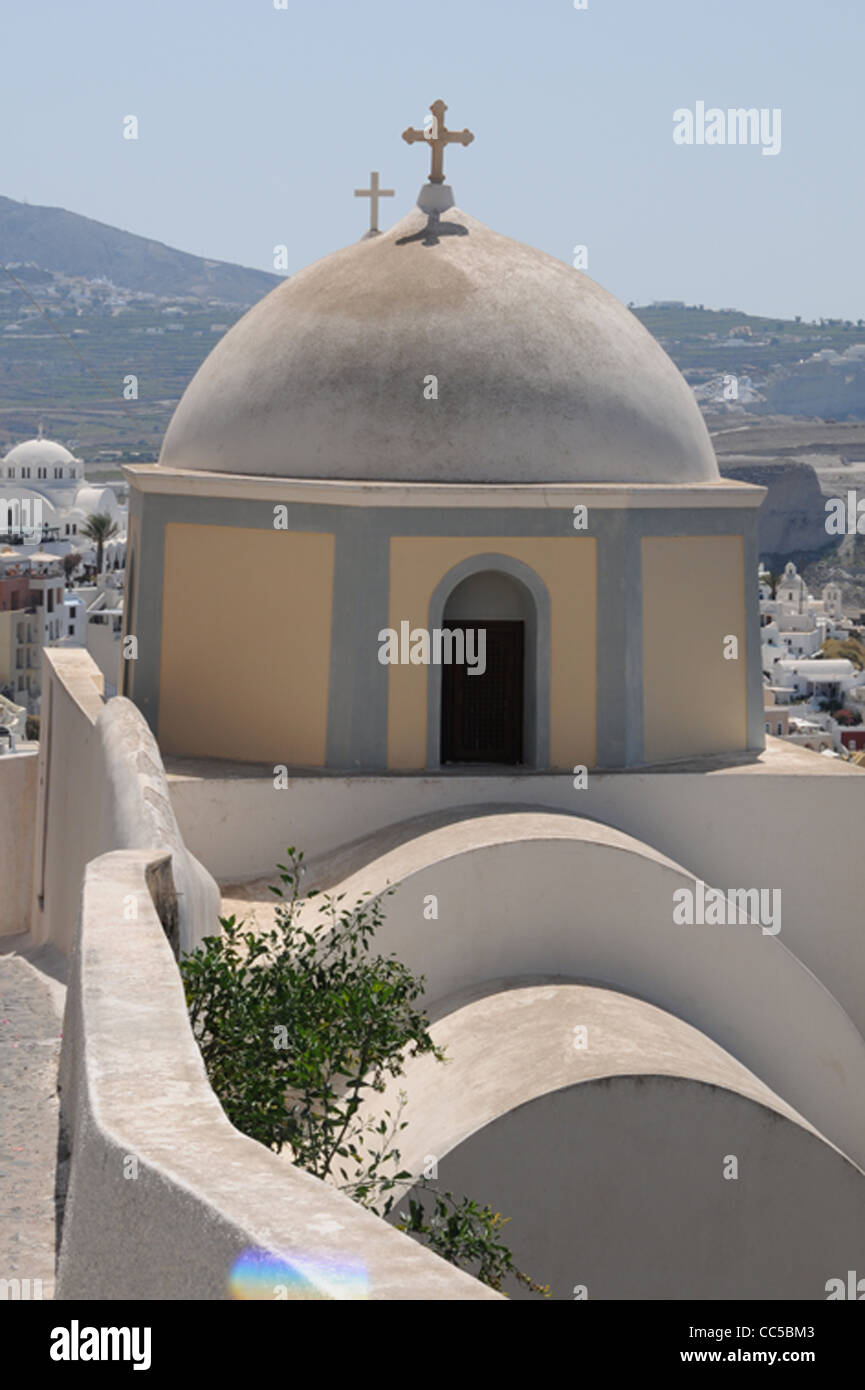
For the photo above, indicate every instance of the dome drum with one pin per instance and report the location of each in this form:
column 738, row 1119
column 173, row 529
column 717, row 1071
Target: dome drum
column 424, row 407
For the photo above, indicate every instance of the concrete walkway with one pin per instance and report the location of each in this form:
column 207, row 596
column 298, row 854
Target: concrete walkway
column 32, row 1182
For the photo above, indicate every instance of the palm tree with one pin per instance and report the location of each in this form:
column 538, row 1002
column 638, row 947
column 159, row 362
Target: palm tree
column 99, row 528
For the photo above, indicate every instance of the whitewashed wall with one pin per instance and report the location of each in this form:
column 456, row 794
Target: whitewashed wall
column 101, row 787
column 17, row 822
column 164, row 1194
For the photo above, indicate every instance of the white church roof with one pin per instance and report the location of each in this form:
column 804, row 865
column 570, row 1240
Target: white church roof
column 819, row 670
column 93, row 498
column 39, row 453
column 541, row 375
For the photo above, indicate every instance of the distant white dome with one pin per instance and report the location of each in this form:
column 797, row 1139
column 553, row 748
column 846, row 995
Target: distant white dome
column 542, row 376
column 40, row 461
column 39, row 452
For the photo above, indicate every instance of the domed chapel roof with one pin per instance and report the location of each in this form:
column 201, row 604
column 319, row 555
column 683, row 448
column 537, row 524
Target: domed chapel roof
column 541, row 375
column 40, row 453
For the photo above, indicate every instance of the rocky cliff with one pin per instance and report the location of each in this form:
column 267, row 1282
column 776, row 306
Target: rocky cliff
column 793, row 515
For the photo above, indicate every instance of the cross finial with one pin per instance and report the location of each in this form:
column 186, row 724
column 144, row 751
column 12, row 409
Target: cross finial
column 373, row 193
column 438, row 136
column 40, row 431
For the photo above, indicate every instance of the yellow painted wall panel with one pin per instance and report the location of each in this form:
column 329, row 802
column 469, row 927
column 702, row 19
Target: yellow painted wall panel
column 694, row 700
column 246, row 611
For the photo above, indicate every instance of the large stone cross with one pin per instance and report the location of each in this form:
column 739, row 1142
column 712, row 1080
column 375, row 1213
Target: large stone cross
column 438, row 136
column 373, row 193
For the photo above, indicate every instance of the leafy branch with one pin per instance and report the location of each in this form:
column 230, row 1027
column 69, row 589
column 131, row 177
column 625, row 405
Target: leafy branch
column 298, row 1026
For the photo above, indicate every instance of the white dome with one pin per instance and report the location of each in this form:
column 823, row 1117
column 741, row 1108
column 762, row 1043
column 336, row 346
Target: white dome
column 39, row 453
column 542, row 375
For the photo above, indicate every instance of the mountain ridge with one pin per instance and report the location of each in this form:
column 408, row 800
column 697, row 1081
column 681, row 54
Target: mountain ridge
column 69, row 243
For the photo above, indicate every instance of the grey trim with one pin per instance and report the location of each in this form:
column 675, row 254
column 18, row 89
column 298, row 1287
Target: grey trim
column 358, row 691
column 536, row 712
column 147, row 618
column 632, row 564
column 755, row 699
column 619, row 656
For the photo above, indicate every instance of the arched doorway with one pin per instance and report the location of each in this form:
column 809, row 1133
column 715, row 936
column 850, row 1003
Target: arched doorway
column 483, row 698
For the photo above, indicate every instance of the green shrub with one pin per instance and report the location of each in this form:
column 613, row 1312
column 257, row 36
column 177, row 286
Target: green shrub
column 297, row 1025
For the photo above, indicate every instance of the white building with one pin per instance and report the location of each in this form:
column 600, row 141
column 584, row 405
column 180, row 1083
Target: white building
column 794, row 623
column 33, row 615
column 94, row 619
column 45, row 499
column 801, row 704
column 818, row 680
column 802, row 690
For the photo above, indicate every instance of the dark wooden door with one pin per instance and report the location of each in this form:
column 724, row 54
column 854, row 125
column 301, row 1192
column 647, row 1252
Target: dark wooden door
column 482, row 716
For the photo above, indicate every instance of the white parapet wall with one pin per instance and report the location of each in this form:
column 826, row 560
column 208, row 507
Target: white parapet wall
column 101, row 787
column 166, row 1199
column 17, row 821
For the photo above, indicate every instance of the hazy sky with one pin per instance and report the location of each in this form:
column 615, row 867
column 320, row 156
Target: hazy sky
column 257, row 123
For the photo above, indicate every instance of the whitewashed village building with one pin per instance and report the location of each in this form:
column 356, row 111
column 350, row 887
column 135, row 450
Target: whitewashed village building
column 440, row 427
column 45, row 499
column 793, row 623
column 32, row 616
column 800, row 685
column 37, row 611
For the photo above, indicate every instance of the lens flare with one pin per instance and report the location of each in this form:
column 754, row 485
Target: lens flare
column 258, row 1275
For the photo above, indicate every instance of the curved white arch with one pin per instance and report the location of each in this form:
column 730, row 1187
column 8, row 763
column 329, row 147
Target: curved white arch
column 610, row 1158
column 528, row 893
column 515, row 1041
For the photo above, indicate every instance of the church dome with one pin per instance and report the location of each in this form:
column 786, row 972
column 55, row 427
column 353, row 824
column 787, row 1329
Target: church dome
column 39, row 453
column 541, row 375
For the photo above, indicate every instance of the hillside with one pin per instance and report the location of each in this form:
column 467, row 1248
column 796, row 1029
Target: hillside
column 782, row 366
column 56, row 240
